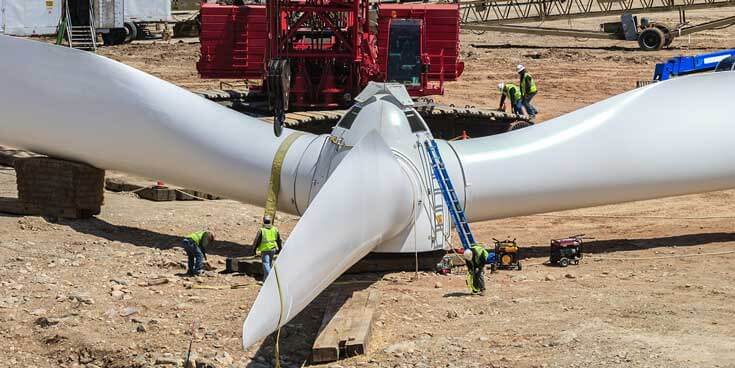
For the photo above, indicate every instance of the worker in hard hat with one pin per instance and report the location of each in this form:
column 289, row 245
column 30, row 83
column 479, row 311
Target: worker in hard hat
column 195, row 245
column 476, row 257
column 267, row 242
column 513, row 93
column 528, row 90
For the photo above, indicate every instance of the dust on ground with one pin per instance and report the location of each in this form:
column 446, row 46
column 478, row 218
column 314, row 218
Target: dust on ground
column 656, row 289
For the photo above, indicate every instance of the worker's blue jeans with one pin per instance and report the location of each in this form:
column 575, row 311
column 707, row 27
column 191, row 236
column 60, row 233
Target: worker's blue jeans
column 267, row 258
column 195, row 257
column 530, row 109
column 518, row 108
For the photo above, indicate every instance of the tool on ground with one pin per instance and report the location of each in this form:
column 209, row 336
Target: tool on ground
column 563, row 252
column 219, row 287
column 450, row 195
column 191, row 341
column 506, row 255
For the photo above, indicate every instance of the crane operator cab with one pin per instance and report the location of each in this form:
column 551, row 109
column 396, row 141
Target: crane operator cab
column 404, row 52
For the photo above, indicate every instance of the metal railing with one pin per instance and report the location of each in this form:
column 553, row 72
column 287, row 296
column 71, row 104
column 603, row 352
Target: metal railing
column 519, row 11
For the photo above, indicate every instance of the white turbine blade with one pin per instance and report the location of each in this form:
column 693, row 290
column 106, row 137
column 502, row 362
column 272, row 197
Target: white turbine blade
column 670, row 138
column 80, row 106
column 368, row 199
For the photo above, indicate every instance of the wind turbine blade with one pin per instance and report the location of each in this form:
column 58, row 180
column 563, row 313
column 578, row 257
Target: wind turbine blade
column 666, row 139
column 368, row 199
column 80, row 106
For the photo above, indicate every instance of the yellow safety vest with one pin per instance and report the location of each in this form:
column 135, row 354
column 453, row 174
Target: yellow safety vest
column 480, row 255
column 527, row 77
column 268, row 239
column 197, row 237
column 516, row 96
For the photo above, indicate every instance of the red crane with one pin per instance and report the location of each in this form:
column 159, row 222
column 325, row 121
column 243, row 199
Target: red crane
column 319, row 54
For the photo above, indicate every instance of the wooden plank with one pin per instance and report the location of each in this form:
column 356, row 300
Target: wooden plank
column 347, row 325
column 120, row 185
column 157, row 194
column 145, row 188
column 326, row 347
column 15, row 206
column 358, row 336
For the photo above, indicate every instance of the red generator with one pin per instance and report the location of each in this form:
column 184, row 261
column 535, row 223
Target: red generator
column 324, row 52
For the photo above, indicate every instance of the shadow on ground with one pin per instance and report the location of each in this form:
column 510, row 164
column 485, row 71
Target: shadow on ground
column 618, row 245
column 147, row 238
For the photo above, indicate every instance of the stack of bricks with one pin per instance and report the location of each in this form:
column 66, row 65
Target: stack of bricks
column 60, row 188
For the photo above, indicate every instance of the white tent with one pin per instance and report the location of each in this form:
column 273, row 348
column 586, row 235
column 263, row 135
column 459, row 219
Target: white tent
column 29, row 17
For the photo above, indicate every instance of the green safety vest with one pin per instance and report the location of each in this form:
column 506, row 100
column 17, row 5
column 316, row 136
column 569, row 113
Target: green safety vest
column 516, row 95
column 481, row 255
column 527, row 78
column 268, row 239
column 197, row 237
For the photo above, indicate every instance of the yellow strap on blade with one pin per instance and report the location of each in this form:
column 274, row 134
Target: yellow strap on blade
column 277, row 350
column 274, row 186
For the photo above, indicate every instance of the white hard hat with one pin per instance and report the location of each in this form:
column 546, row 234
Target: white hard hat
column 501, row 86
column 520, row 68
column 467, row 254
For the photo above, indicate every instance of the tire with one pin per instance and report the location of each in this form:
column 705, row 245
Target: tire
column 651, row 39
column 131, row 32
column 563, row 262
column 519, row 125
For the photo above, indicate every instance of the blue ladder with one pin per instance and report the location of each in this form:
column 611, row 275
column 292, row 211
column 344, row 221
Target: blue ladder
column 450, row 196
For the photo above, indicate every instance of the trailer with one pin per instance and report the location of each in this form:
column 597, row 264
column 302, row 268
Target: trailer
column 118, row 21
column 683, row 65
column 505, row 16
column 29, row 18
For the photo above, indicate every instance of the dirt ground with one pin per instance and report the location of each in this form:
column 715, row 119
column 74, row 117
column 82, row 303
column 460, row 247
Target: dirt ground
column 656, row 288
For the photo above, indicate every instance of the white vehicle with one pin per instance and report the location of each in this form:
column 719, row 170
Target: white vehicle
column 117, row 20
column 29, row 18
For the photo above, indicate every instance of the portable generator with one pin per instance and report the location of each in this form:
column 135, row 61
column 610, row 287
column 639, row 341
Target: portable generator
column 564, row 251
column 507, row 255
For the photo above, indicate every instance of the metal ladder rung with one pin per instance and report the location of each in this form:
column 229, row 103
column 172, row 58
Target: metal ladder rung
column 450, row 196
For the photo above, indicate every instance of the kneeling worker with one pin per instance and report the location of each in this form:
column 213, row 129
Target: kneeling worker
column 267, row 242
column 195, row 245
column 476, row 257
column 514, row 96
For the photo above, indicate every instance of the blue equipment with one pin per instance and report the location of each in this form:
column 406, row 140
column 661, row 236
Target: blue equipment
column 683, row 65
column 450, row 196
